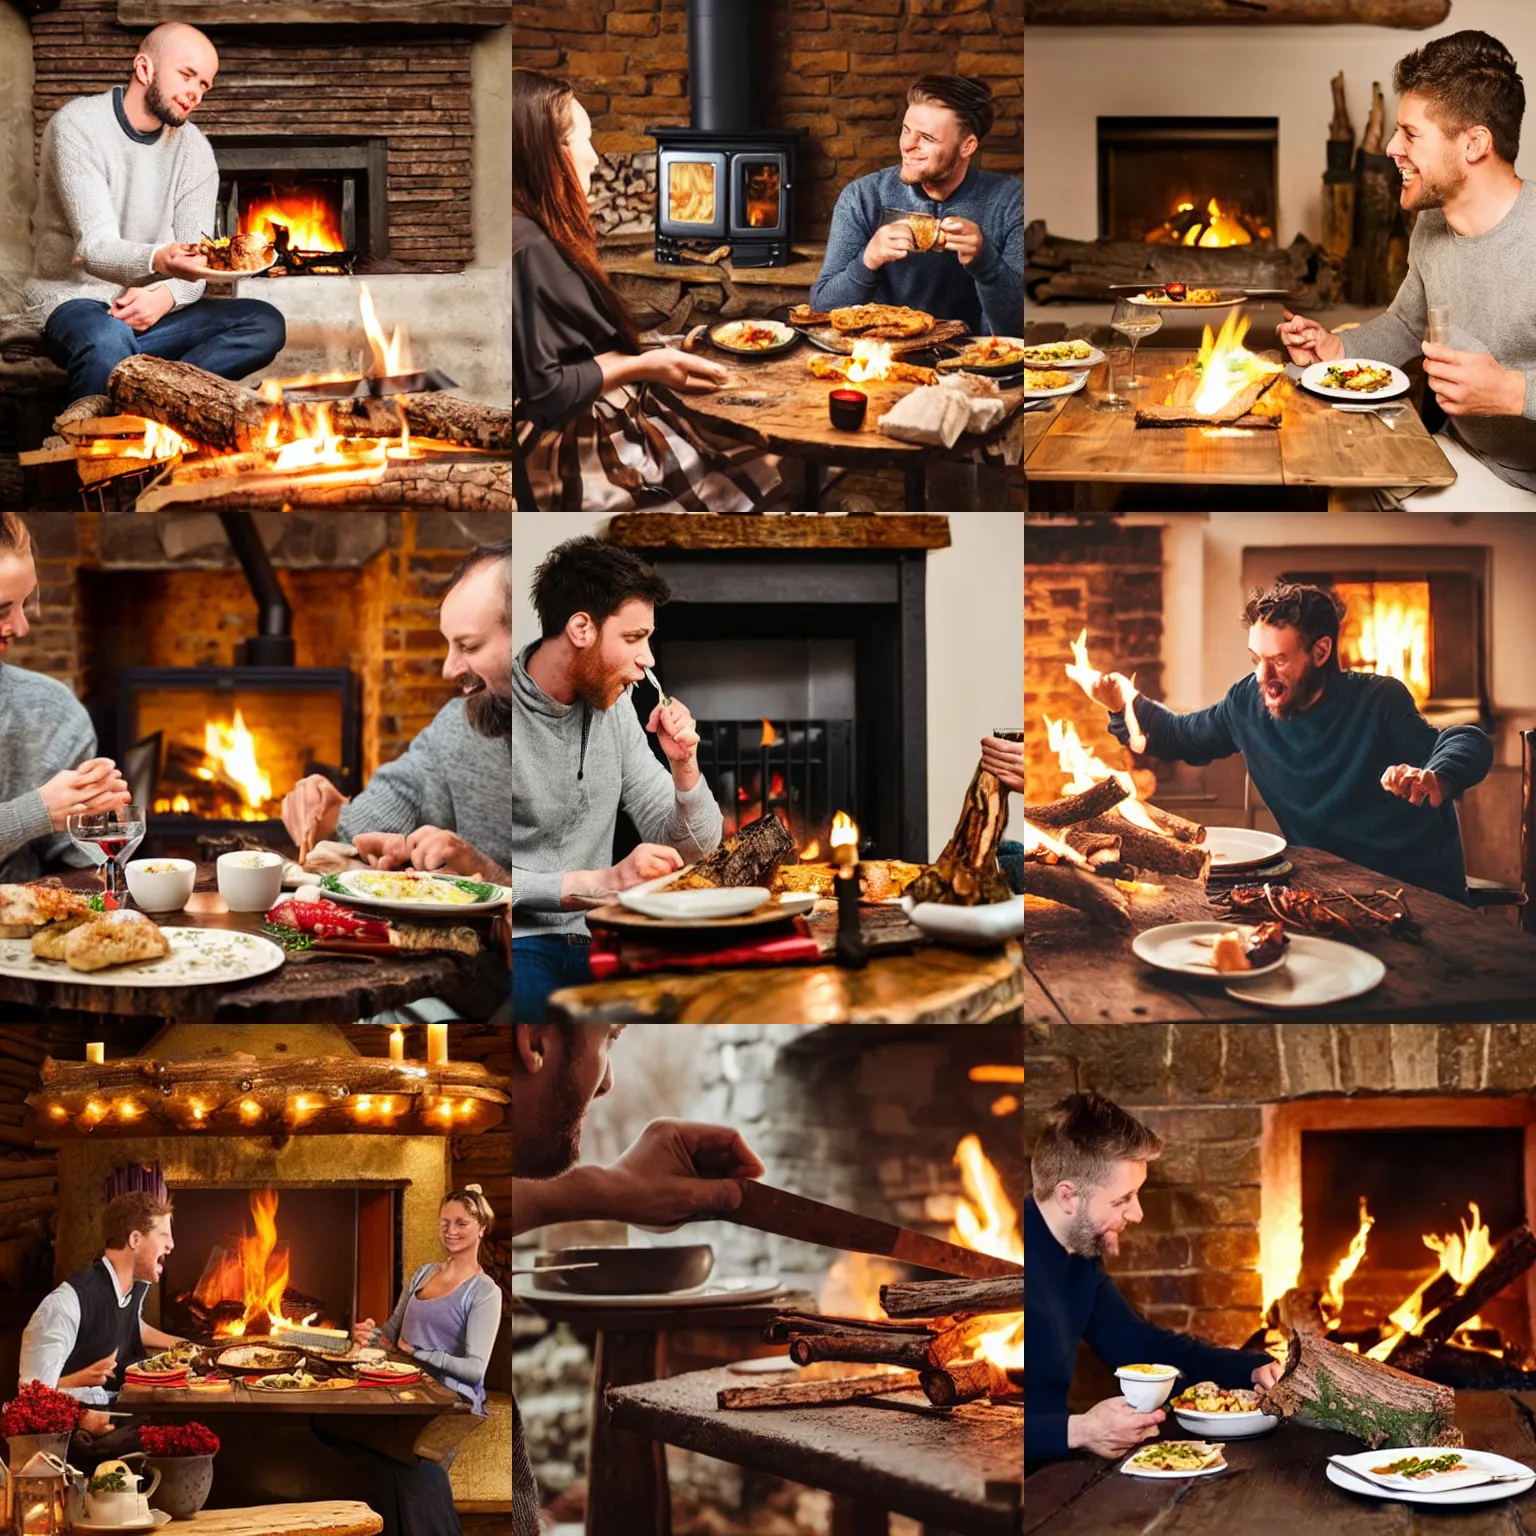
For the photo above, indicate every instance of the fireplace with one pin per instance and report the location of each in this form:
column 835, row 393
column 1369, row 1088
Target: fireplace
column 1195, row 181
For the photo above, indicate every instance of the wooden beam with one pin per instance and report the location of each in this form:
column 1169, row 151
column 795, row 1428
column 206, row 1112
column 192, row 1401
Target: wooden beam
column 799, row 1394
column 287, row 13
column 682, row 530
column 1413, row 14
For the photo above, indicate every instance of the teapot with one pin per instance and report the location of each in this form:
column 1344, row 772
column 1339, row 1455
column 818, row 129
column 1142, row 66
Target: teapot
column 113, row 1497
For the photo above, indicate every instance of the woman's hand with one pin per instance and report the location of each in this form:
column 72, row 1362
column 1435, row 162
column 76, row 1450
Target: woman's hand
column 681, row 370
column 363, row 1332
column 404, row 1348
column 1005, row 759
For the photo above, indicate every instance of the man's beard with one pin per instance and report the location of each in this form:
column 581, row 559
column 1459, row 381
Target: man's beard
column 935, row 171
column 488, row 715
column 157, row 102
column 1298, row 696
column 1433, row 194
column 1086, row 1239
column 592, row 681
column 561, row 1147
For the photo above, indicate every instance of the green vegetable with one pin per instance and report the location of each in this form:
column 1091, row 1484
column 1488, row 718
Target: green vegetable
column 97, row 903
column 289, row 938
column 111, row 1482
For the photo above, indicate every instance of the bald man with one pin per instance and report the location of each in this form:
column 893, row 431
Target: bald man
column 127, row 188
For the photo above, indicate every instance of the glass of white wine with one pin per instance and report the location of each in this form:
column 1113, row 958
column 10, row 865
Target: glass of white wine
column 1135, row 321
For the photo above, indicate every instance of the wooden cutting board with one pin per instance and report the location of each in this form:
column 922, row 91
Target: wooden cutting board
column 331, row 1517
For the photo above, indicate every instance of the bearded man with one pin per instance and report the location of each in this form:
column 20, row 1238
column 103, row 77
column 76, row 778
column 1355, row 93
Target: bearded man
column 443, row 804
column 1458, row 132
column 1088, row 1167
column 1344, row 760
column 127, row 187
column 576, row 759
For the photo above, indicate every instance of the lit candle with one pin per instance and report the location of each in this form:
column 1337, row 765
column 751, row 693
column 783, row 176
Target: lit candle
column 96, row 1052
column 851, row 950
column 437, row 1045
column 397, row 1045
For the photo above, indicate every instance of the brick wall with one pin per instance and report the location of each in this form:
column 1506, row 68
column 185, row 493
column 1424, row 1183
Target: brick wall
column 837, row 67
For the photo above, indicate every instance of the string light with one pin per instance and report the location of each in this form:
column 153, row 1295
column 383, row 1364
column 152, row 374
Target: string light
column 250, row 1109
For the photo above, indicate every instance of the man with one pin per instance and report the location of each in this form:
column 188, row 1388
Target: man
column 47, row 770
column 975, row 273
column 86, row 1332
column 557, row 1071
column 443, row 805
column 1089, row 1163
column 127, row 188
column 1458, row 131
column 577, row 759
column 1344, row 760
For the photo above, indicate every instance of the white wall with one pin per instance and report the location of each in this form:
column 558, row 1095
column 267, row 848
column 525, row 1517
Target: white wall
column 1077, row 74
column 975, row 637
column 17, row 181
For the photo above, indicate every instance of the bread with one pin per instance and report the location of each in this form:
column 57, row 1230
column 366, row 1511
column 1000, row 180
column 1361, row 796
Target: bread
column 879, row 879
column 26, row 908
column 926, row 234
column 1228, row 953
column 934, row 417
column 119, row 938
column 973, row 384
column 803, row 314
column 48, row 943
column 893, row 320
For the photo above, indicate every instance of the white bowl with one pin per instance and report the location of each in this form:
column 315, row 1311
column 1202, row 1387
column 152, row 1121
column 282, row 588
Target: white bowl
column 729, row 901
column 1225, row 1426
column 158, row 889
column 1145, row 1392
column 250, row 881
column 979, row 926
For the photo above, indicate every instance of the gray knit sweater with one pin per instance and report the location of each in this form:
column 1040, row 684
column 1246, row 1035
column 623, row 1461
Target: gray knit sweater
column 42, row 729
column 450, row 777
column 1485, row 279
column 111, row 196
column 572, row 768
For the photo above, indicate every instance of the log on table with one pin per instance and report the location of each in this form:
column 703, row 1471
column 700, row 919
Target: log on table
column 1415, row 14
column 1096, row 847
column 449, row 418
column 954, row 1298
column 1299, row 1310
column 198, row 404
column 799, row 1394
column 954, row 1384
column 1180, row 410
column 1071, row 809
column 1147, row 850
column 909, row 1350
column 1177, row 827
column 1329, row 1387
column 443, row 484
column 1070, row 886
column 749, row 858
column 811, row 1323
column 966, row 873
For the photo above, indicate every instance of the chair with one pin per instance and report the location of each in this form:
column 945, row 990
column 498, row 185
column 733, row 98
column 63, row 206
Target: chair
column 1490, row 893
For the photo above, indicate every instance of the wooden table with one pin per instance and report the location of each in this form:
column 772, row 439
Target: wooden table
column 1314, row 444
column 309, row 986
column 1276, row 1483
column 956, row 1469
column 1470, row 966
column 330, row 1517
column 775, row 404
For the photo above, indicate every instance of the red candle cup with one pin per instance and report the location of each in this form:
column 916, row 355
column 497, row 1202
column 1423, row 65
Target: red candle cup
column 847, row 408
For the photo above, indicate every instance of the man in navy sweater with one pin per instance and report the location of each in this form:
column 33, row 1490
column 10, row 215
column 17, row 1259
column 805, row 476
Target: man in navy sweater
column 975, row 272
column 1088, row 1165
column 1344, row 760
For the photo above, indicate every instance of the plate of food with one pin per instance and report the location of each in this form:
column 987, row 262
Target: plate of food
column 1208, row 949
column 415, row 890
column 237, row 255
column 655, row 899
column 1206, row 1408
column 1062, row 354
column 1317, row 972
column 298, row 1381
column 1185, row 297
column 259, row 1357
column 1355, row 378
column 1241, row 847
column 754, row 338
column 902, row 328
column 1431, row 1474
column 1175, row 1458
column 993, row 355
column 713, row 1292
column 389, row 1372
column 359, row 1354
column 1049, row 383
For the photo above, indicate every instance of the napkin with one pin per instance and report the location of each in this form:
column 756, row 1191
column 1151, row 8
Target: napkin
column 612, row 955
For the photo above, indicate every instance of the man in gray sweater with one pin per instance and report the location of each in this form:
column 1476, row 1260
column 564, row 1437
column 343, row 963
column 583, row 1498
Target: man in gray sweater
column 576, row 759
column 127, row 186
column 1458, row 132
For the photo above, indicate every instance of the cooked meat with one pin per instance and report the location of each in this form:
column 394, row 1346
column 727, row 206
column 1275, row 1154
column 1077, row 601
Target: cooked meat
column 120, row 938
column 25, row 908
column 48, row 942
column 418, row 936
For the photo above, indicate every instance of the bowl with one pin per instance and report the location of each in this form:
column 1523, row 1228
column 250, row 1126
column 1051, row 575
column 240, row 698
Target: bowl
column 250, row 880
column 160, row 885
column 1145, row 1391
column 976, row 927
column 1225, row 1426
column 629, row 1271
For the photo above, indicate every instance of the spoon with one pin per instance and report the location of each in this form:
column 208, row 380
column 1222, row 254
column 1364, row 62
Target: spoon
column 555, row 1269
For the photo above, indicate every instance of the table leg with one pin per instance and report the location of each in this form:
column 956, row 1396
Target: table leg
column 853, row 1516
column 627, row 1492
column 917, row 490
column 812, row 496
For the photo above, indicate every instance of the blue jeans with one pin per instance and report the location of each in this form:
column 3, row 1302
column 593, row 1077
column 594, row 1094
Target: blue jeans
column 543, row 964
column 1010, row 858
column 229, row 337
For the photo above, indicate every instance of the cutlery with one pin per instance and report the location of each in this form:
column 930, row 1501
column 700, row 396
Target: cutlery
column 555, row 1269
column 1386, row 414
column 651, row 678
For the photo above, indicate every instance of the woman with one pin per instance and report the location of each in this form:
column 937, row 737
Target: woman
column 592, row 434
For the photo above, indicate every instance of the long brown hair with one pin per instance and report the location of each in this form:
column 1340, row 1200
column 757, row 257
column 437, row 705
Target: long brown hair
column 544, row 184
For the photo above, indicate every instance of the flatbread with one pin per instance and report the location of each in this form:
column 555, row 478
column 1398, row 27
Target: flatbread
column 48, row 942
column 895, row 320
column 120, row 938
column 1178, row 1456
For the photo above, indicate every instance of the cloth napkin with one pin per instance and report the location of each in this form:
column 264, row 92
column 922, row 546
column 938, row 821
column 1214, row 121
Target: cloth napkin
column 613, row 955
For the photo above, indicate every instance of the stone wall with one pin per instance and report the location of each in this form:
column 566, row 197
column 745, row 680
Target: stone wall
column 837, row 67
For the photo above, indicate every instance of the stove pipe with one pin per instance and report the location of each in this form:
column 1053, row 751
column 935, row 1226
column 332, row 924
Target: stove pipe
column 722, row 82
column 272, row 645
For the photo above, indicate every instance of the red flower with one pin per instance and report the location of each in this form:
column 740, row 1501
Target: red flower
column 40, row 1410
column 179, row 1440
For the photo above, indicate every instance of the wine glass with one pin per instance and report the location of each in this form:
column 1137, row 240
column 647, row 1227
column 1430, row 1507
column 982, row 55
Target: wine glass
column 108, row 840
column 1437, row 329
column 1134, row 321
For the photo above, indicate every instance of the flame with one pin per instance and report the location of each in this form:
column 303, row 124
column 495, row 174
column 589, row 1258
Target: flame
column 996, row 1074
column 1223, row 229
column 234, row 749
column 844, row 830
column 1037, row 840
column 852, row 1286
column 770, row 736
column 1227, row 367
column 871, row 360
column 1386, row 629
column 1223, row 225
column 1461, row 1255
column 1333, row 1292
column 812, row 850
column 310, row 220
column 256, row 1275
column 1084, row 768
column 389, row 357
column 986, row 1220
column 1079, row 669
column 691, row 191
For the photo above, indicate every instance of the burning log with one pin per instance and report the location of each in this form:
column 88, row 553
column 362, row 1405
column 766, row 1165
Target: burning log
column 966, row 873
column 1069, row 886
column 1299, row 1310
column 1147, row 850
column 445, row 485
column 1175, row 826
column 954, row 1298
column 198, row 404
column 800, row 1394
column 447, row 418
column 1096, row 847
column 1071, row 809
column 1330, row 1387
column 957, row 1383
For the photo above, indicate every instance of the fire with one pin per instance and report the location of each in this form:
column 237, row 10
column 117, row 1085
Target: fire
column 1227, row 367
column 233, row 748
column 871, row 360
column 310, row 220
column 1084, row 768
column 812, row 850
column 691, row 191
column 389, row 357
column 1461, row 1255
column 1333, row 1293
column 770, row 736
column 257, row 1274
column 844, row 830
column 852, row 1286
column 986, row 1220
column 1387, row 630
column 1037, row 840
column 1220, row 224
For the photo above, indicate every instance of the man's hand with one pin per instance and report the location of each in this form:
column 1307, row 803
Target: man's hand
column 95, row 786
column 1114, row 691
column 647, row 862
column 891, row 242
column 383, row 850
column 1006, row 760
column 1307, row 341
column 962, row 237
column 1418, row 786
column 673, row 726
column 1265, row 1376
column 141, row 308
column 1112, row 1428
column 1472, row 383
column 313, row 804
column 97, row 1374
column 183, row 260
column 94, row 1422
column 433, row 848
column 658, row 1180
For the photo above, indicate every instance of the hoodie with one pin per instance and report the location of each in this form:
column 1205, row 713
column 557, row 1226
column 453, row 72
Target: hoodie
column 572, row 768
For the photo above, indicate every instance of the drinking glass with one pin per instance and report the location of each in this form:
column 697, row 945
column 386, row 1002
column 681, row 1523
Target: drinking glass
column 108, row 840
column 1437, row 328
column 1134, row 321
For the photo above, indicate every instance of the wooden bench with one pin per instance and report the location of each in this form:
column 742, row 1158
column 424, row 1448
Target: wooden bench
column 481, row 1474
column 331, row 1517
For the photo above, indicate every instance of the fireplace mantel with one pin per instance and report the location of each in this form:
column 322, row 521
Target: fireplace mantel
column 267, row 13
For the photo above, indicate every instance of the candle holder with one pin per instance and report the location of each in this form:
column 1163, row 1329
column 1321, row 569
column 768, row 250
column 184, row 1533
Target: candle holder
column 852, row 952
column 847, row 408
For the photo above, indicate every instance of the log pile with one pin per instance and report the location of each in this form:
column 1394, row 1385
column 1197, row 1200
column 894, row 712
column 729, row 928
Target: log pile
column 622, row 200
column 1237, row 410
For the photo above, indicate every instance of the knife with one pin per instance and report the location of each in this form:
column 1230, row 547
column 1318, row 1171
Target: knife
column 651, row 678
column 776, row 1210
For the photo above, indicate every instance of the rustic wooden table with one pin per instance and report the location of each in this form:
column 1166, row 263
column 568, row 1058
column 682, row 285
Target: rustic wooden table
column 1277, row 1483
column 776, row 404
column 956, row 1469
column 1314, row 444
column 330, row 1517
column 308, row 986
column 1471, row 966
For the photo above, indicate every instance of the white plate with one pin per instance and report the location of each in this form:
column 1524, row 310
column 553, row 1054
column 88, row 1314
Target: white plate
column 1176, row 947
column 727, row 901
column 1311, row 378
column 199, row 956
column 1240, row 847
column 1224, row 1426
column 211, row 274
column 1130, row 1471
column 1052, row 394
column 1318, row 971
column 1479, row 1493
column 980, row 926
column 157, row 1518
column 712, row 1293
column 436, row 908
column 1094, row 358
column 1227, row 302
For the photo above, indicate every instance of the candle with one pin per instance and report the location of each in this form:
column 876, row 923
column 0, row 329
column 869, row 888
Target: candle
column 397, row 1045
column 437, row 1045
column 844, row 837
column 95, row 1051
